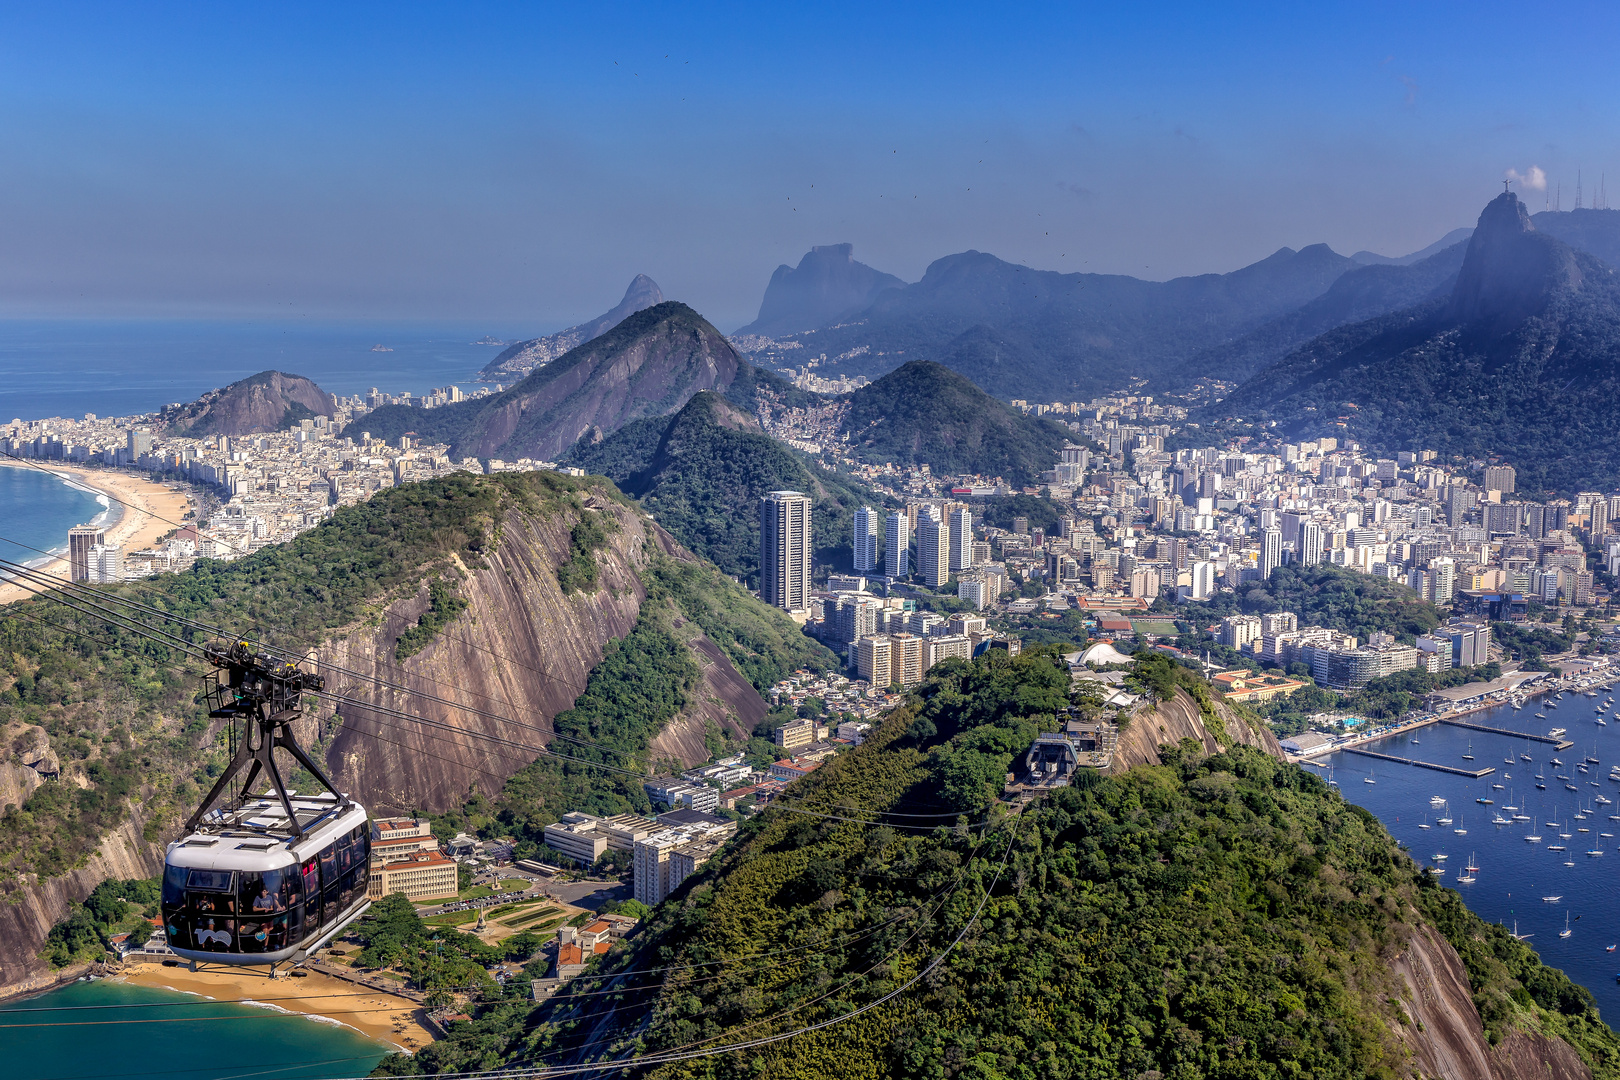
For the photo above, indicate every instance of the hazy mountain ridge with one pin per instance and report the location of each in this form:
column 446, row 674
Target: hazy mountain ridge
column 1521, row 360
column 519, row 359
column 267, row 401
column 827, row 285
column 1046, row 335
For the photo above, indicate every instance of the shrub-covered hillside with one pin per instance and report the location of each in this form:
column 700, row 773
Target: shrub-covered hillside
column 1224, row 916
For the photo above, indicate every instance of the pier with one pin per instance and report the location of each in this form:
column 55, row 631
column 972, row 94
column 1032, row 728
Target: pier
column 1560, row 744
column 1474, row 774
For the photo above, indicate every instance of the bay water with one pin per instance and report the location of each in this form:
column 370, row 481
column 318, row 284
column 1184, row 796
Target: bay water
column 108, row 1030
column 1515, row 873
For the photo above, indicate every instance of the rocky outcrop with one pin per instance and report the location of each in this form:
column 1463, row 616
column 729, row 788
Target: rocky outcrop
column 723, row 701
column 268, row 401
column 518, row 360
column 1446, row 1037
column 1510, row 271
column 1181, row 717
column 29, row 910
column 827, row 284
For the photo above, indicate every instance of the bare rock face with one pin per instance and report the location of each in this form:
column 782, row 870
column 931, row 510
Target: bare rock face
column 29, row 911
column 1181, row 718
column 268, row 401
column 1447, row 1038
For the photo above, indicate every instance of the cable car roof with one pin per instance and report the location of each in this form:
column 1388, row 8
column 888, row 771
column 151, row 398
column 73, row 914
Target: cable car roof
column 254, row 833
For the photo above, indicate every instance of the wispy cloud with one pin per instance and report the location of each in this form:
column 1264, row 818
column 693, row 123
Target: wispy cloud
column 1534, row 180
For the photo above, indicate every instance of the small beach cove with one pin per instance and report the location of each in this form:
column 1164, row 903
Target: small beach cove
column 151, row 1020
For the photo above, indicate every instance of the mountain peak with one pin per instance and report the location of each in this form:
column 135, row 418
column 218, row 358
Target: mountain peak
column 827, row 285
column 1510, row 270
column 523, row 357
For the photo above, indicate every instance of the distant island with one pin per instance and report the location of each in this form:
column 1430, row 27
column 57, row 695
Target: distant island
column 381, row 348
column 490, row 340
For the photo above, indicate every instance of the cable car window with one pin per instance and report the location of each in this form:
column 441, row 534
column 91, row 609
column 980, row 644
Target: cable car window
column 266, row 892
column 329, row 872
column 212, row 880
column 216, row 935
column 174, row 884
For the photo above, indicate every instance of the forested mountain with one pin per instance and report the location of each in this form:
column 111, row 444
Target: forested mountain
column 1596, row 232
column 924, row 412
column 268, row 401
column 1219, row 914
column 827, row 285
column 650, row 364
column 701, row 474
column 523, row 604
column 519, row 359
column 1521, row 361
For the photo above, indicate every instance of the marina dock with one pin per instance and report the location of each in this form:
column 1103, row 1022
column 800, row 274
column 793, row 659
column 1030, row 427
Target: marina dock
column 1560, row 744
column 1471, row 773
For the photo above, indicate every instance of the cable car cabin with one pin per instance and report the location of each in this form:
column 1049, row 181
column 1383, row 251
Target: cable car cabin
column 242, row 890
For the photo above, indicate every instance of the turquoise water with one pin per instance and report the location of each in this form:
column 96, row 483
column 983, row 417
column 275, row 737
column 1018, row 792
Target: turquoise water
column 109, row 1031
column 37, row 510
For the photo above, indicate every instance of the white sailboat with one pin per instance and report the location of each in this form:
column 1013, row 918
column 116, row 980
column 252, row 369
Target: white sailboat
column 1566, row 931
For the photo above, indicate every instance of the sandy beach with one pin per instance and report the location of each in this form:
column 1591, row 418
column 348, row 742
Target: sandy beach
column 390, row 1019
column 145, row 504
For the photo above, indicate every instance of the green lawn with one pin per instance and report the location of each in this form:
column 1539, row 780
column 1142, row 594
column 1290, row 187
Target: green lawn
column 454, row 918
column 1157, row 627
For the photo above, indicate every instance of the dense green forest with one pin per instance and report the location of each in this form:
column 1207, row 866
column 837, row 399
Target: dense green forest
column 1227, row 915
column 701, row 474
column 1334, row 597
column 923, row 413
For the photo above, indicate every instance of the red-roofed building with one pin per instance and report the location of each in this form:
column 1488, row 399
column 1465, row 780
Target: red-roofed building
column 787, row 770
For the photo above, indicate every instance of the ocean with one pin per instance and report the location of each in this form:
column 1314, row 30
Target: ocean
column 1514, row 873
column 108, row 1031
column 119, row 368
column 37, row 510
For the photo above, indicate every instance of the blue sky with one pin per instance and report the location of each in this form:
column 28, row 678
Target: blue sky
column 520, row 163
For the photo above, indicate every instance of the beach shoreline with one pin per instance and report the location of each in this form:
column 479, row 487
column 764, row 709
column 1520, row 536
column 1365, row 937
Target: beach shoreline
column 135, row 509
column 397, row 1021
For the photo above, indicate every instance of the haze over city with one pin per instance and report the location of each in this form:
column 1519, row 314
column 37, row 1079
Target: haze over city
column 523, row 163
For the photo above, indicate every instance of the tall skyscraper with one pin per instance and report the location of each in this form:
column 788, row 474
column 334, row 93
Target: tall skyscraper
column 933, row 548
column 80, row 542
column 1500, row 478
column 1270, row 552
column 961, row 522
column 784, row 550
column 107, row 564
column 897, row 538
column 866, row 534
column 1310, row 543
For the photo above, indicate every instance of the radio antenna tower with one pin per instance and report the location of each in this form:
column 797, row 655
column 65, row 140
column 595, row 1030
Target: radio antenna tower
column 1577, row 189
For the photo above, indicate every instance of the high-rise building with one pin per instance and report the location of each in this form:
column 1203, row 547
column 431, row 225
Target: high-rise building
column 905, row 659
column 1270, row 552
column 866, row 534
column 80, row 541
column 106, row 564
column 1500, row 478
column 784, row 550
column 961, row 538
column 1459, row 501
column 897, row 540
column 872, row 656
column 1310, row 543
column 1444, row 570
column 933, row 548
column 1203, row 580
